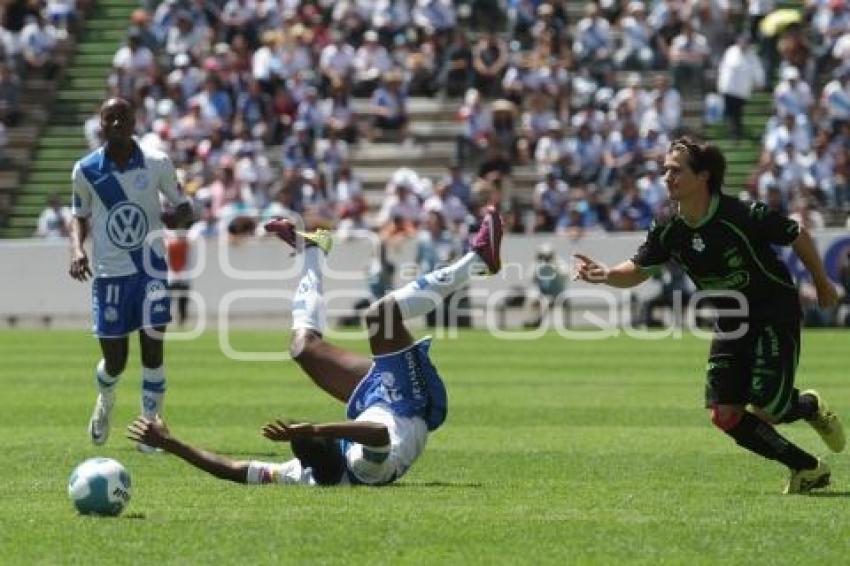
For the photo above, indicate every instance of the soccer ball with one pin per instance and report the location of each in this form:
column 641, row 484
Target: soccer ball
column 99, row 486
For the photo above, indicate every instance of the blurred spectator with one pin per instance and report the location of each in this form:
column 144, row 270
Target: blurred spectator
column 489, row 60
column 187, row 36
column 636, row 51
column 371, row 61
column 456, row 74
column 476, row 127
column 132, row 66
column 594, row 43
column 336, row 62
column 632, row 212
column 652, row 189
column 450, row 207
column 667, row 103
column 689, row 54
column 458, row 184
column 549, row 281
column 792, row 96
column 38, row 44
column 740, row 72
column 585, row 153
column 399, row 213
column 54, row 220
column 437, row 246
column 10, row 95
column 388, row 107
column 550, row 197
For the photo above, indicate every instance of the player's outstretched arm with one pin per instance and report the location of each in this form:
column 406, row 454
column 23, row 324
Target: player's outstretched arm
column 361, row 432
column 624, row 275
column 79, row 268
column 155, row 433
column 804, row 247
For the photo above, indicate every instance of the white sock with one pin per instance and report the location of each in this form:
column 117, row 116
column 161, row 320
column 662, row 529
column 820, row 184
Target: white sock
column 423, row 295
column 105, row 382
column 308, row 305
column 153, row 390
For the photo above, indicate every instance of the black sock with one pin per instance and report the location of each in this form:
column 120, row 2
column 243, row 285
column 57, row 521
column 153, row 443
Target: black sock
column 802, row 407
column 758, row 436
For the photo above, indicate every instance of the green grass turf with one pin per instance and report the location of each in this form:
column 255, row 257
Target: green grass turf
column 555, row 451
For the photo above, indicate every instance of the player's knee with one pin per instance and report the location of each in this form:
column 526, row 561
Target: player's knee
column 115, row 367
column 726, row 417
column 369, row 464
column 152, row 359
column 381, row 312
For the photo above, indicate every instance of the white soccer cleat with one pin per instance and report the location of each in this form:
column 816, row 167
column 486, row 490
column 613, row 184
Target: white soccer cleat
column 99, row 423
column 804, row 481
column 827, row 424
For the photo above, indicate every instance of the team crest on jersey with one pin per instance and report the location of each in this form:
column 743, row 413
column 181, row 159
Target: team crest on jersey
column 697, row 243
column 140, row 181
column 127, row 226
column 110, row 314
column 388, row 379
column 155, row 291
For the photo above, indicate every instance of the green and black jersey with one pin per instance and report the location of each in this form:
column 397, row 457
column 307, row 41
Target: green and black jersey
column 730, row 250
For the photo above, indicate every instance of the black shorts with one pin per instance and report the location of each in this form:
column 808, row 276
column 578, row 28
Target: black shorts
column 756, row 369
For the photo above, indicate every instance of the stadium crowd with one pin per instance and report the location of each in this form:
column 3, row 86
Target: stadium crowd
column 261, row 106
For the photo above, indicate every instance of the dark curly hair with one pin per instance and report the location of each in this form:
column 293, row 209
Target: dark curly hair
column 703, row 157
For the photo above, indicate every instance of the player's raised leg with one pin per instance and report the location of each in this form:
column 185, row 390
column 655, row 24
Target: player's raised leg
column 385, row 318
column 333, row 369
column 107, row 374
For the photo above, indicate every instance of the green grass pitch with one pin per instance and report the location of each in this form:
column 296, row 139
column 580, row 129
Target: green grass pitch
column 555, row 451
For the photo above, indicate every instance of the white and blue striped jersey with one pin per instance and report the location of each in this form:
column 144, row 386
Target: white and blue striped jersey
column 124, row 207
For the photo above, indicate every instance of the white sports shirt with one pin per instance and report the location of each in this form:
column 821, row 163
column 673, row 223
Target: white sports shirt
column 124, row 208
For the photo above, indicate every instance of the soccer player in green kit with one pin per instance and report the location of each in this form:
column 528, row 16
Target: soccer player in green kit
column 724, row 245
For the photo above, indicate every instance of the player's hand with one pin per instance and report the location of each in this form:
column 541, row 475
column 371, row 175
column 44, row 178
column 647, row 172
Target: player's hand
column 280, row 431
column 151, row 432
column 588, row 269
column 79, row 268
column 827, row 295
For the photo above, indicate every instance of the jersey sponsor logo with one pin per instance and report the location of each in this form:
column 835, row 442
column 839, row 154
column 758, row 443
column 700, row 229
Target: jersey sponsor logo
column 697, row 243
column 735, row 280
column 155, row 291
column 127, row 226
column 140, row 181
column 110, row 314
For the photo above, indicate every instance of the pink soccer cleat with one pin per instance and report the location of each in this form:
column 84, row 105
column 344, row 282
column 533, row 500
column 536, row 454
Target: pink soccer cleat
column 488, row 241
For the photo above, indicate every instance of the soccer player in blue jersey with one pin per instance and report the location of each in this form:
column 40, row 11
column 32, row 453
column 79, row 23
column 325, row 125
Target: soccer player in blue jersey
column 726, row 247
column 393, row 399
column 116, row 198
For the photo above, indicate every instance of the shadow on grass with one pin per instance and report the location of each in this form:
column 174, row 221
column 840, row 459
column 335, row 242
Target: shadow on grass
column 134, row 516
column 827, row 494
column 438, row 484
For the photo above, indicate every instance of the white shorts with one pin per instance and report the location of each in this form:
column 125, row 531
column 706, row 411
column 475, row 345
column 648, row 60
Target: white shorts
column 408, row 436
column 369, row 465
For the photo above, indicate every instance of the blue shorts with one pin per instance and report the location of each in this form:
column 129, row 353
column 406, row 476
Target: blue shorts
column 120, row 305
column 407, row 383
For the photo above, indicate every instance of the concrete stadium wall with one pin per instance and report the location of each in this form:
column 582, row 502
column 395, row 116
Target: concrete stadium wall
column 253, row 279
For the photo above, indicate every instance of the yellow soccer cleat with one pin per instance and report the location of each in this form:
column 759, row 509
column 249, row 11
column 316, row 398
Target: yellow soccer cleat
column 322, row 239
column 803, row 481
column 285, row 230
column 827, row 424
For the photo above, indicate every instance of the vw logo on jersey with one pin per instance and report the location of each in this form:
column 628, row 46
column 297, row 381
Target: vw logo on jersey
column 140, row 181
column 127, row 226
